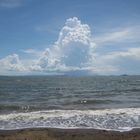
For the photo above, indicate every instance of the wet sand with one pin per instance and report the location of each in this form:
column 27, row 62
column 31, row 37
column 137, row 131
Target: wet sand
column 68, row 134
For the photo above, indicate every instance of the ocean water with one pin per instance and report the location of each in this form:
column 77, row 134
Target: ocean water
column 101, row 102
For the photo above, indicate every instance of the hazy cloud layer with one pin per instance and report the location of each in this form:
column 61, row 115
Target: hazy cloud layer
column 10, row 3
column 121, row 35
column 119, row 62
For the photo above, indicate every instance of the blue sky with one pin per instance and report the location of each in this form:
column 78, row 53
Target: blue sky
column 32, row 30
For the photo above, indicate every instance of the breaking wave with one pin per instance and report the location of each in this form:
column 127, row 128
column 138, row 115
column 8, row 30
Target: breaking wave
column 110, row 119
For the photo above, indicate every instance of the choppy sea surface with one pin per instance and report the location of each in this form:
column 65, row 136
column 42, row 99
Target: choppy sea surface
column 101, row 102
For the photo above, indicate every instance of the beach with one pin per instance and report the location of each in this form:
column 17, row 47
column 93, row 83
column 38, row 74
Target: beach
column 68, row 134
column 70, row 108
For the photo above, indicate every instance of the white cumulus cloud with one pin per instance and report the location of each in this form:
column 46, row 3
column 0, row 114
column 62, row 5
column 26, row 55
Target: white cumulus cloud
column 12, row 63
column 74, row 49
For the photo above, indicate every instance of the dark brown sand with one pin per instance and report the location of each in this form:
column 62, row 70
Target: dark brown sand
column 68, row 134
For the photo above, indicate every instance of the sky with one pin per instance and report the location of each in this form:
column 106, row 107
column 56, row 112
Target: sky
column 90, row 37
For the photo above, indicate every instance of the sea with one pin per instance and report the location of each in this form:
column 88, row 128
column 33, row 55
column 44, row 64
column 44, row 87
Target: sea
column 68, row 102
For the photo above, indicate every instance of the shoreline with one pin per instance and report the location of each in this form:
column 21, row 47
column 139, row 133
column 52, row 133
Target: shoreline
column 68, row 134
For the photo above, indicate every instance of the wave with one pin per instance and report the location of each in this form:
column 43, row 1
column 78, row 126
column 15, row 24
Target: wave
column 111, row 119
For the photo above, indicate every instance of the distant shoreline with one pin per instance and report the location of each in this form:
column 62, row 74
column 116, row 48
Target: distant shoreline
column 68, row 134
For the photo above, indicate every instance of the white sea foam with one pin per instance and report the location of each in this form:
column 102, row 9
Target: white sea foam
column 112, row 119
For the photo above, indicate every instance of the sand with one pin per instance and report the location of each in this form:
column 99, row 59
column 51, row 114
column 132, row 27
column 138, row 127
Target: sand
column 68, row 134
